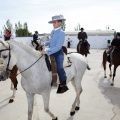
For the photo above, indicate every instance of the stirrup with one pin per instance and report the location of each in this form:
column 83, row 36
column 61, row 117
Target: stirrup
column 62, row 89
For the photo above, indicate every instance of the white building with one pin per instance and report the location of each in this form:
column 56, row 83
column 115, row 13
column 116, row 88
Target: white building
column 98, row 39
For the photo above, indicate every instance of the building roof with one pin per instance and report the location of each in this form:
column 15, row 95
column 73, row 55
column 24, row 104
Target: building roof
column 89, row 33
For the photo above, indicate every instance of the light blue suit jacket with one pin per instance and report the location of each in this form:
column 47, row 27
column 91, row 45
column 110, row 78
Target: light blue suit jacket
column 56, row 41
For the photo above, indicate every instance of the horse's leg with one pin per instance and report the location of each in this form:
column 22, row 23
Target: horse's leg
column 14, row 83
column 78, row 47
column 78, row 88
column 46, row 98
column 114, row 73
column 105, row 72
column 110, row 70
column 30, row 99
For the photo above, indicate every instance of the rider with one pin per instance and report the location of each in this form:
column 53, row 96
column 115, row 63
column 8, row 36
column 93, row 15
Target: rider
column 114, row 44
column 56, row 42
column 35, row 38
column 82, row 36
column 8, row 35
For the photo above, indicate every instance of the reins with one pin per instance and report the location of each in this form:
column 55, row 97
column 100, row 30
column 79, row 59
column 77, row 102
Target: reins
column 30, row 65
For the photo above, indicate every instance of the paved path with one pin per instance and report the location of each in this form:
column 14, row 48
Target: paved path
column 99, row 101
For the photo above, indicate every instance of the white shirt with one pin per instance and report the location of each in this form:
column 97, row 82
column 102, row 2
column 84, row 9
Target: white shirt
column 57, row 28
column 69, row 40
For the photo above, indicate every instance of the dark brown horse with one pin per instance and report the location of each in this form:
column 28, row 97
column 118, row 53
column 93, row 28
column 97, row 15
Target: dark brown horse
column 115, row 61
column 83, row 48
column 14, row 82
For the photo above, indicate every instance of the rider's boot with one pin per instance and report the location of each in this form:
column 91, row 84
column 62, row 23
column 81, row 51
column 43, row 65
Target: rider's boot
column 62, row 87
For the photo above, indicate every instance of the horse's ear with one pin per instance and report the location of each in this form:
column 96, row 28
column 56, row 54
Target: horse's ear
column 4, row 43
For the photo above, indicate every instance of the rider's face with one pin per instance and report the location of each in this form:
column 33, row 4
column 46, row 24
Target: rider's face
column 56, row 24
column 118, row 37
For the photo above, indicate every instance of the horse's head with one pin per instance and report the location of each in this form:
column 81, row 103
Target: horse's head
column 9, row 60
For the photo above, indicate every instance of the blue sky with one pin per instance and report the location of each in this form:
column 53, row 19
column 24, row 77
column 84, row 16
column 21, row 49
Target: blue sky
column 91, row 14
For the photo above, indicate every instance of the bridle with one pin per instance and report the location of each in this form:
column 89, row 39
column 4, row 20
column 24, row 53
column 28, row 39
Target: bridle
column 7, row 69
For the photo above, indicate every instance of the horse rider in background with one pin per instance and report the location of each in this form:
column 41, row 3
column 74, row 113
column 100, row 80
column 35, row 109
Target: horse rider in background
column 35, row 38
column 115, row 45
column 82, row 36
column 68, row 42
column 8, row 35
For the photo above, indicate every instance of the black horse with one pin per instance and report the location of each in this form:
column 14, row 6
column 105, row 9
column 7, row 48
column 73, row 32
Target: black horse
column 83, row 48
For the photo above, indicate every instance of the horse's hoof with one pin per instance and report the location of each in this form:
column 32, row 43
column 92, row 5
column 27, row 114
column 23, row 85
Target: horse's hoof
column 55, row 118
column 11, row 100
column 112, row 84
column 77, row 108
column 72, row 113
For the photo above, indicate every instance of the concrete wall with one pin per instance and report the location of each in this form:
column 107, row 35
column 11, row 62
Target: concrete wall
column 97, row 42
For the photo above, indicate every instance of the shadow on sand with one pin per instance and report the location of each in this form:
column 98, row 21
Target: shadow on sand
column 111, row 92
column 1, row 102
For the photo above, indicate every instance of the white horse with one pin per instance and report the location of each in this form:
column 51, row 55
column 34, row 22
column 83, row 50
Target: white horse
column 32, row 79
column 13, row 85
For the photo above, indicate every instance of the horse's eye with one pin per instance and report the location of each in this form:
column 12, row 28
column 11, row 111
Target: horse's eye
column 4, row 56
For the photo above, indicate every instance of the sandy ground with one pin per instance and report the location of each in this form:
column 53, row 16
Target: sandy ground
column 99, row 101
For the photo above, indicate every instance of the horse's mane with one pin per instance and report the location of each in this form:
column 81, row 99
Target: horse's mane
column 25, row 47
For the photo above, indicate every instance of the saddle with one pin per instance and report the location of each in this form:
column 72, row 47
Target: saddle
column 111, row 51
column 51, row 64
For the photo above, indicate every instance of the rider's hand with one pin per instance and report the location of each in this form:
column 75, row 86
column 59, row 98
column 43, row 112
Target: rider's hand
column 41, row 45
column 43, row 52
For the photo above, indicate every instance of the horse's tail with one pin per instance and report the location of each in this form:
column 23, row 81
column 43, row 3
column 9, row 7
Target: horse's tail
column 104, row 59
column 88, row 67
